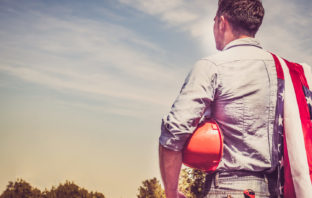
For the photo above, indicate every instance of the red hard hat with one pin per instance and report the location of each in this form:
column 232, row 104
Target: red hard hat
column 204, row 148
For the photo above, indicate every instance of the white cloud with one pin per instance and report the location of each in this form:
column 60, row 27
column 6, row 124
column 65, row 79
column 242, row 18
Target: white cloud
column 88, row 56
column 154, row 6
column 285, row 29
column 177, row 13
column 179, row 16
column 193, row 17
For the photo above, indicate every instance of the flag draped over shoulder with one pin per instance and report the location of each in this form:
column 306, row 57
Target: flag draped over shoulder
column 294, row 124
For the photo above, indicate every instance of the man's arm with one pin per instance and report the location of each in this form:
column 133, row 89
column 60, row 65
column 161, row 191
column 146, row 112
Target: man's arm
column 170, row 163
column 194, row 99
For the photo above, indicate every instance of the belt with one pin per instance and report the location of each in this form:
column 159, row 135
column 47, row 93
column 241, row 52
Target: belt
column 269, row 178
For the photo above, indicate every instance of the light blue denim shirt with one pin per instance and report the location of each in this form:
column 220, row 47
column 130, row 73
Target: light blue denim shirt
column 237, row 87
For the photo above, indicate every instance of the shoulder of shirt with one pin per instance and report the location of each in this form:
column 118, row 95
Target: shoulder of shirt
column 207, row 62
column 205, row 65
column 213, row 59
column 237, row 54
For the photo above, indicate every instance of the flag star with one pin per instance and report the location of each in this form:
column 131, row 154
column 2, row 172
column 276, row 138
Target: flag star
column 309, row 101
column 282, row 162
column 282, row 94
column 280, row 120
column 281, row 189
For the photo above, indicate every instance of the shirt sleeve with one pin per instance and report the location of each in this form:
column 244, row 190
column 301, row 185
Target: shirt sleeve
column 194, row 100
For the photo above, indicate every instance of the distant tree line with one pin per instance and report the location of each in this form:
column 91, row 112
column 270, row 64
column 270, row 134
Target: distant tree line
column 191, row 184
column 22, row 189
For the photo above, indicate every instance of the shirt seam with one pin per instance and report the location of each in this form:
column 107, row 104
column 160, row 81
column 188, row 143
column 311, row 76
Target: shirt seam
column 218, row 80
column 269, row 114
column 233, row 61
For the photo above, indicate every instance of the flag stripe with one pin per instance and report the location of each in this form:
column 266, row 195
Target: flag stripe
column 295, row 142
column 307, row 90
column 298, row 79
column 289, row 190
column 279, row 69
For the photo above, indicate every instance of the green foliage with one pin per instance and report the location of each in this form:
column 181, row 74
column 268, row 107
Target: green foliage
column 22, row 189
column 151, row 189
column 192, row 182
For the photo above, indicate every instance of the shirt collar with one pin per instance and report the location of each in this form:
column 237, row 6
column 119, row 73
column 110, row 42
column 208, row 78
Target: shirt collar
column 249, row 41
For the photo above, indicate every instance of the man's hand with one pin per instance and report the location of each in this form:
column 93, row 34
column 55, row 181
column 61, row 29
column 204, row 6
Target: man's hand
column 175, row 194
column 181, row 195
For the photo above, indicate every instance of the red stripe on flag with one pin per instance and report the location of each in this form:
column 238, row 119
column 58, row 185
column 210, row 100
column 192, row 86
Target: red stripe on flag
column 289, row 190
column 300, row 71
column 298, row 79
column 279, row 69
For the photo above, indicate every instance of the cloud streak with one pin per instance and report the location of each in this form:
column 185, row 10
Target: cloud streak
column 98, row 57
column 193, row 17
column 285, row 29
column 87, row 56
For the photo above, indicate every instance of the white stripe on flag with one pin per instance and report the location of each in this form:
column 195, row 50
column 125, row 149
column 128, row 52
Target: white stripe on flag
column 308, row 74
column 294, row 139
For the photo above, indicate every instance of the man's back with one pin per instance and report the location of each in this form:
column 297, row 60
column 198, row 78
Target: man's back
column 244, row 105
column 238, row 89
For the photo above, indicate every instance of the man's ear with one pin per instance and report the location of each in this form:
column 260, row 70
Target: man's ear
column 222, row 23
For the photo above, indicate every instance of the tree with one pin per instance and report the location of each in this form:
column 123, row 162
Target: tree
column 20, row 189
column 70, row 190
column 151, row 189
column 192, row 182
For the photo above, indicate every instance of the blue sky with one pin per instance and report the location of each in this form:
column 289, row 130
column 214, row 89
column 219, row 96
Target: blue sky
column 84, row 84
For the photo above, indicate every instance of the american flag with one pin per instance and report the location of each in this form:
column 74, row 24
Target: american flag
column 293, row 131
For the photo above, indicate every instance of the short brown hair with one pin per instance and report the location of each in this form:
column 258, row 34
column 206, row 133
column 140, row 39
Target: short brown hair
column 245, row 16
